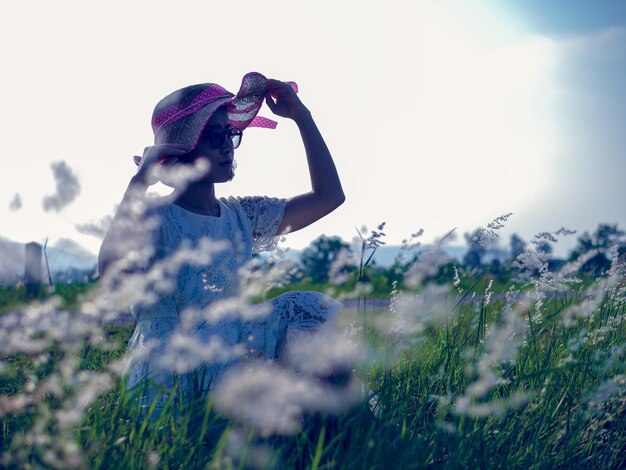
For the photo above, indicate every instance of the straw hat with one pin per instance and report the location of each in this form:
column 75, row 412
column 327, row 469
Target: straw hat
column 180, row 117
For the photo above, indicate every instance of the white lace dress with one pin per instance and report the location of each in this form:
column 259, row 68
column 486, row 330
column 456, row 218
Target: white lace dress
column 191, row 325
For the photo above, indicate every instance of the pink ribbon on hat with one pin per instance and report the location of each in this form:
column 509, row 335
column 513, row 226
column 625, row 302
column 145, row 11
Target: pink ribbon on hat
column 179, row 111
column 176, row 112
column 260, row 121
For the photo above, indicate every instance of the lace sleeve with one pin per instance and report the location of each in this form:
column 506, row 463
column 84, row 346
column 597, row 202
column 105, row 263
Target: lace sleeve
column 265, row 215
column 304, row 313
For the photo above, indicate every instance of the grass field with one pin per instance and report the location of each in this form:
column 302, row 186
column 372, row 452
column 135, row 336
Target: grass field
column 534, row 379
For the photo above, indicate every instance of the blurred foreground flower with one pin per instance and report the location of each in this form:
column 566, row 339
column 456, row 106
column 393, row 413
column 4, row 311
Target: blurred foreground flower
column 275, row 400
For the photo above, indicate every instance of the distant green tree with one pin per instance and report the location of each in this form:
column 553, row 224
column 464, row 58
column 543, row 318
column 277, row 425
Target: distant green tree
column 476, row 252
column 606, row 236
column 603, row 239
column 317, row 259
column 545, row 248
column 517, row 245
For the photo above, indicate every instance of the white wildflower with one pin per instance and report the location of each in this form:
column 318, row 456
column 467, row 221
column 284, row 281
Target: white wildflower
column 274, row 399
column 488, row 234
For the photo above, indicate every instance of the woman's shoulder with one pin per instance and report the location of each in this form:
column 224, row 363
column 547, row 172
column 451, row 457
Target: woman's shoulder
column 158, row 208
column 237, row 205
column 238, row 200
column 241, row 203
column 254, row 207
column 251, row 203
column 161, row 213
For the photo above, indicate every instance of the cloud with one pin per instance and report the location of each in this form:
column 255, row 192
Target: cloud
column 16, row 203
column 70, row 246
column 67, row 188
column 65, row 254
column 591, row 111
column 605, row 45
column 96, row 228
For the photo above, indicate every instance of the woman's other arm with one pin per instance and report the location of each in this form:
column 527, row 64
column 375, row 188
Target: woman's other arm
column 326, row 193
column 124, row 238
column 120, row 240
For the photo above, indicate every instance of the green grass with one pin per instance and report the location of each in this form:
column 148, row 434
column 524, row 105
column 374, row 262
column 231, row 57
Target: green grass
column 12, row 297
column 556, row 425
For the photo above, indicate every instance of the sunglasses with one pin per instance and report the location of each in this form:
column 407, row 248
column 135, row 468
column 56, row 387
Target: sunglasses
column 216, row 135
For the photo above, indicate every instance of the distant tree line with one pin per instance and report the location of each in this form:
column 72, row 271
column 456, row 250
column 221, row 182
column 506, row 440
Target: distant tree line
column 328, row 257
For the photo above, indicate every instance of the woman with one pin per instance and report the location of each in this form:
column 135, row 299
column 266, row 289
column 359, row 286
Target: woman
column 191, row 251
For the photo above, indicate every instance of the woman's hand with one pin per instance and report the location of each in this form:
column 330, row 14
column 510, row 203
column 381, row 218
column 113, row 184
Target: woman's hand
column 166, row 154
column 283, row 101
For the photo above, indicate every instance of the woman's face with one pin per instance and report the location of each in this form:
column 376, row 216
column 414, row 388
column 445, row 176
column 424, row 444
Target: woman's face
column 221, row 159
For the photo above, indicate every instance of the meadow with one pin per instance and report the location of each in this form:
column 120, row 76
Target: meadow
column 460, row 370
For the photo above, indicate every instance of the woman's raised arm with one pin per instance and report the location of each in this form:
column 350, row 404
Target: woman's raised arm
column 326, row 194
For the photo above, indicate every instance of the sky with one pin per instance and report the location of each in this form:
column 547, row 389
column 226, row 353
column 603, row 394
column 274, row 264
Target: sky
column 438, row 114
